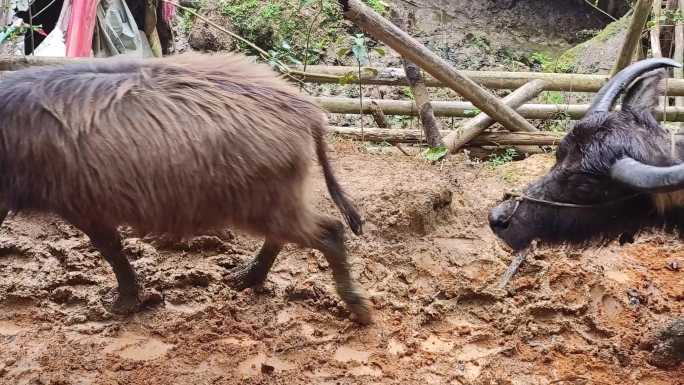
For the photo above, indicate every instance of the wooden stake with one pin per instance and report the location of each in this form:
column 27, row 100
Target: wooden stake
column 419, row 90
column 473, row 127
column 642, row 10
column 377, row 26
column 679, row 51
column 151, row 27
column 656, row 50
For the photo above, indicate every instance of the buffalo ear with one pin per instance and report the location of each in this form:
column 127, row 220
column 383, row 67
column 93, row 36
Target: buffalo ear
column 642, row 96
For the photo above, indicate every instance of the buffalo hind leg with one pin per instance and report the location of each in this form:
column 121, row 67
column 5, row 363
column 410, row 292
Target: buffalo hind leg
column 254, row 272
column 108, row 243
column 330, row 242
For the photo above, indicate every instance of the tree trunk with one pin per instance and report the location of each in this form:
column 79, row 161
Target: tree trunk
column 473, row 127
column 642, row 10
column 378, row 27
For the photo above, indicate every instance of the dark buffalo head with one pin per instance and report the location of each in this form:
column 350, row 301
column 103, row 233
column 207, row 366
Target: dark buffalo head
column 616, row 172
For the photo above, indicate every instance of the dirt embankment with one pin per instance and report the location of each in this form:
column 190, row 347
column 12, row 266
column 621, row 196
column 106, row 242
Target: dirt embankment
column 427, row 261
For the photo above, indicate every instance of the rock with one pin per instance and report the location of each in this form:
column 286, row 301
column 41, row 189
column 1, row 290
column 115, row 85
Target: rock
column 668, row 346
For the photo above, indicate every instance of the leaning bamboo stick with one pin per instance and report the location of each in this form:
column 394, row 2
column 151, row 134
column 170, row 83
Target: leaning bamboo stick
column 393, row 135
column 380, row 28
column 467, row 110
column 473, row 127
column 642, row 9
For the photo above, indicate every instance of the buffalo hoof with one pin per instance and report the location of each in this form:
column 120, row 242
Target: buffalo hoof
column 243, row 277
column 125, row 305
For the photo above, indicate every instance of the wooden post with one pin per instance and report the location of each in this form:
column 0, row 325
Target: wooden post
column 679, row 51
column 151, row 27
column 378, row 115
column 419, row 91
column 641, row 11
column 481, row 122
column 408, row 47
column 656, row 49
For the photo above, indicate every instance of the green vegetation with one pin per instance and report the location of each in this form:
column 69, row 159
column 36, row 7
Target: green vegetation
column 499, row 159
column 294, row 30
column 552, row 97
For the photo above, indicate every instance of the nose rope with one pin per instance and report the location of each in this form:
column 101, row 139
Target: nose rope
column 521, row 197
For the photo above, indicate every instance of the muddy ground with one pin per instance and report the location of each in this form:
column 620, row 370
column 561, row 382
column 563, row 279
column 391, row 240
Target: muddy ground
column 427, row 260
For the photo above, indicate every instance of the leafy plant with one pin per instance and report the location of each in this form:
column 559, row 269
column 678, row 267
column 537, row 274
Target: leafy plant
column 408, row 92
column 552, row 97
column 499, row 159
column 472, row 112
column 434, row 154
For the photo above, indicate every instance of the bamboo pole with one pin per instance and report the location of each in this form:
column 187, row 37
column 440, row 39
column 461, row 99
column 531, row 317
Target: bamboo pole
column 642, row 9
column 467, row 110
column 394, row 76
column 377, row 26
column 473, row 127
column 490, row 79
column 393, row 135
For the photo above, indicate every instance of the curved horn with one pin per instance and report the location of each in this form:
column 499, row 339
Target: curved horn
column 605, row 98
column 643, row 177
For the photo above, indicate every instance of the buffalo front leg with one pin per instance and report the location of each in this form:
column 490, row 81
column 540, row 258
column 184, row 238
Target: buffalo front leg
column 108, row 243
column 254, row 273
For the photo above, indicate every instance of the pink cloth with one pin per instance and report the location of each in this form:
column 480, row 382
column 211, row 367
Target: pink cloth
column 79, row 39
column 168, row 12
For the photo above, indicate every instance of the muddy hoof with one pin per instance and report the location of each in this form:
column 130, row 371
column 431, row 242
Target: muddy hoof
column 125, row 305
column 362, row 313
column 358, row 305
column 241, row 278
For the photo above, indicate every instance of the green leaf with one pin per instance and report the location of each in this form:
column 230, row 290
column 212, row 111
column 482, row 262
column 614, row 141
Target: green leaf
column 347, row 78
column 360, row 53
column 434, row 154
column 368, row 71
column 306, row 3
column 342, row 52
column 380, row 51
column 471, row 113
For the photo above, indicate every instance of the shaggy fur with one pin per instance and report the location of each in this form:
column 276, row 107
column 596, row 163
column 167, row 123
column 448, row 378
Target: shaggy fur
column 581, row 175
column 170, row 146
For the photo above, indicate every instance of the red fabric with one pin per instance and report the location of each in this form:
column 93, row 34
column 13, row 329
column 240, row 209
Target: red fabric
column 79, row 39
column 168, row 12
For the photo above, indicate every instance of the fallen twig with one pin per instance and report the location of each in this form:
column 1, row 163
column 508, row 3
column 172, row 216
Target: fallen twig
column 518, row 259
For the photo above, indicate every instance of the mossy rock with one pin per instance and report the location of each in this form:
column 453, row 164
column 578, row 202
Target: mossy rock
column 597, row 55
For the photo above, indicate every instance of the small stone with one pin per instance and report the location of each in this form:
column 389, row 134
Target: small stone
column 267, row 369
column 674, row 265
